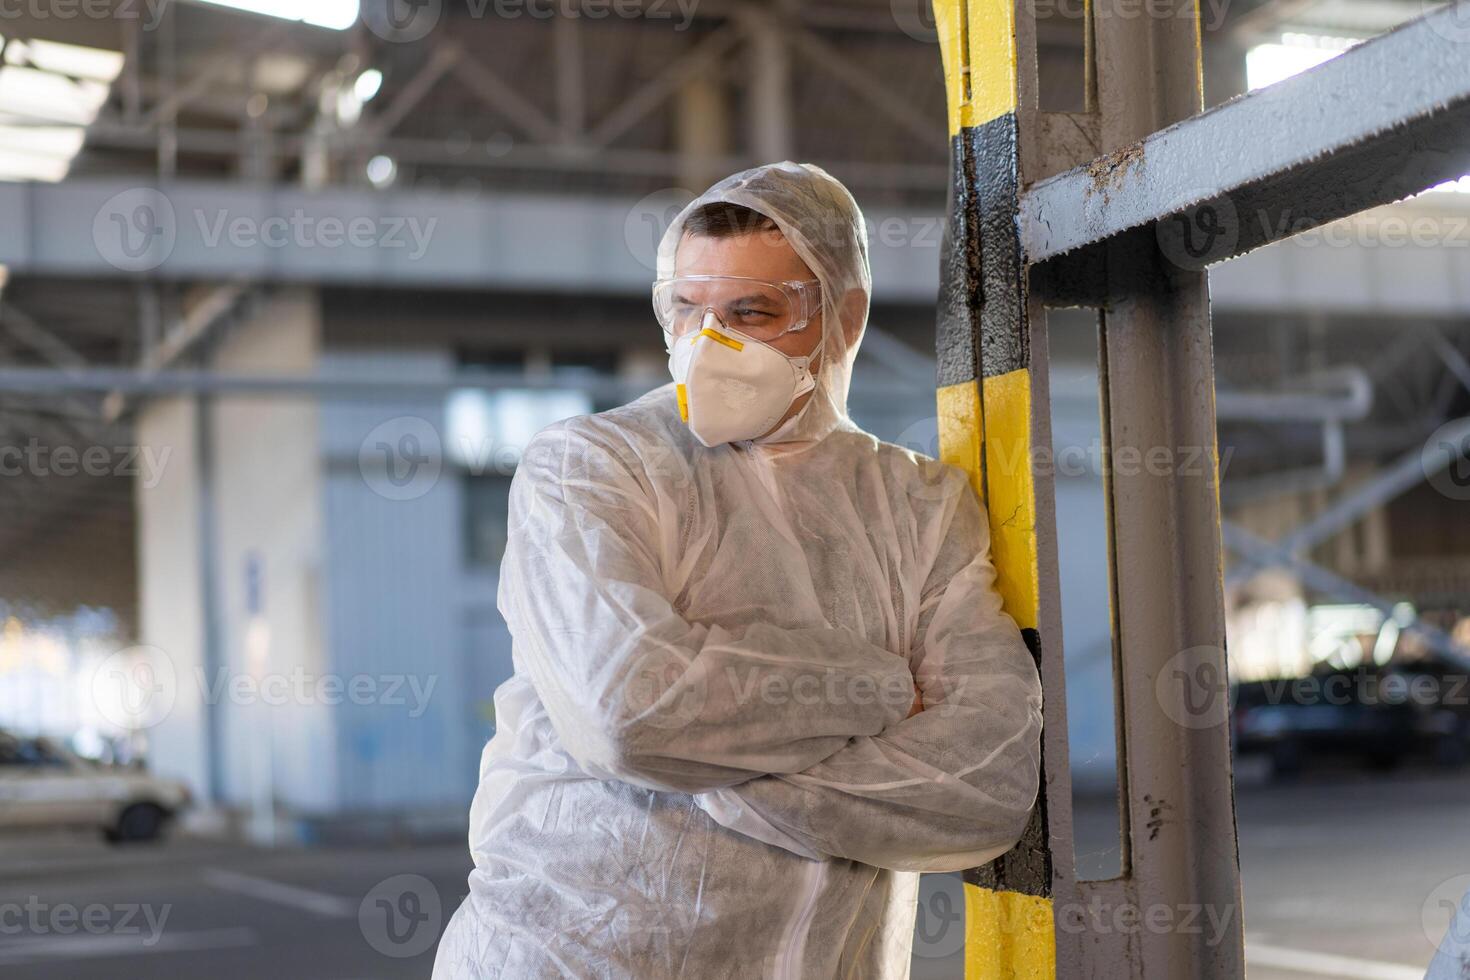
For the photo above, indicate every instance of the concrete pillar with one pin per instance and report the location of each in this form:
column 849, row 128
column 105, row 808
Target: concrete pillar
column 702, row 131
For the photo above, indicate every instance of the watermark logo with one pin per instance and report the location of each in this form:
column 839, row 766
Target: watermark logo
column 1452, row 24
column 645, row 223
column 1193, row 688
column 664, row 690
column 307, row 232
column 34, row 917
column 1097, row 916
column 136, row 230
column 401, row 459
column 915, row 18
column 1445, row 915
column 931, row 480
column 35, row 458
column 833, row 687
column 1201, row 228
column 402, row 21
column 939, row 928
column 401, row 916
column 1445, row 459
column 297, row 686
column 148, row 12
column 135, row 688
column 1210, row 13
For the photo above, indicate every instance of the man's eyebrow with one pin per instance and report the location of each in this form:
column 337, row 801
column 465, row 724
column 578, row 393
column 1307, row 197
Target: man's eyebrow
column 750, row 298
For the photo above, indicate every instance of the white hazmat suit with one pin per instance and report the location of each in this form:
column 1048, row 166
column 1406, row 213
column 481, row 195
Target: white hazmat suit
column 702, row 766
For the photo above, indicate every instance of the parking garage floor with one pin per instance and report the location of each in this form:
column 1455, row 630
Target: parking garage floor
column 1340, row 873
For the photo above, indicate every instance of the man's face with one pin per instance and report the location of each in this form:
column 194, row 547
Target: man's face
column 759, row 255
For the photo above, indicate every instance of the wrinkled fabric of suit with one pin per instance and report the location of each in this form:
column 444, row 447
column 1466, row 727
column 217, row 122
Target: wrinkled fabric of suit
column 704, row 764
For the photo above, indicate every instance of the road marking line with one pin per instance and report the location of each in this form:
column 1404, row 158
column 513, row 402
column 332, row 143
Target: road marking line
column 1328, row 964
column 82, row 945
column 318, row 903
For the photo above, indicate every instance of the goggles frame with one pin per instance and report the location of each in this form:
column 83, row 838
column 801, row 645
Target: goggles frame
column 805, row 296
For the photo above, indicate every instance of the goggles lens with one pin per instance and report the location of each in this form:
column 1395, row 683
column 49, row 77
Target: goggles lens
column 757, row 308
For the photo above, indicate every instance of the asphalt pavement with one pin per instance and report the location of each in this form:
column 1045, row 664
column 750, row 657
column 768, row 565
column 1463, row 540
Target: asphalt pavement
column 1344, row 877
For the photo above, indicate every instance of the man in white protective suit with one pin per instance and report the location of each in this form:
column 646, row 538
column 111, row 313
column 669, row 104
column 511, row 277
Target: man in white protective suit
column 762, row 674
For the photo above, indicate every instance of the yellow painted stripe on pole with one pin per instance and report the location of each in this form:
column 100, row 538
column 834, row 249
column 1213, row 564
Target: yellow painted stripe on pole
column 977, row 40
column 1010, row 496
column 1008, row 936
column 1199, row 53
column 960, row 424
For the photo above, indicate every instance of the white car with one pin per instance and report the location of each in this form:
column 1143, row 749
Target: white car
column 44, row 785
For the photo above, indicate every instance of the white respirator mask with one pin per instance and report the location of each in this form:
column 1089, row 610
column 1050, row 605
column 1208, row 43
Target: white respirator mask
column 732, row 387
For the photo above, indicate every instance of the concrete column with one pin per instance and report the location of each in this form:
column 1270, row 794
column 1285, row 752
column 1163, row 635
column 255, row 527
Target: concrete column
column 701, row 130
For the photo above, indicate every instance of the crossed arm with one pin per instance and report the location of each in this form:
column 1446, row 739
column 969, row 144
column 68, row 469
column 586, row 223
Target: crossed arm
column 637, row 693
column 948, row 788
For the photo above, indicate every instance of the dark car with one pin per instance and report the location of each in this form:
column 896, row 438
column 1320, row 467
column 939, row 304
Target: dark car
column 1377, row 716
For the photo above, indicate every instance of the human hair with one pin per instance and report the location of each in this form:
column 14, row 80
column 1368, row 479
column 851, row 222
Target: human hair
column 721, row 219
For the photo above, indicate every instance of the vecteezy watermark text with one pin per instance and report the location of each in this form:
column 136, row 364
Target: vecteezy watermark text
column 34, row 917
column 310, row 231
column 36, row 458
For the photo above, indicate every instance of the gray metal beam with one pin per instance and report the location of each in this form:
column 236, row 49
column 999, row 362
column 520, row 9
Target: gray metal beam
column 131, row 382
column 219, row 231
column 1408, row 471
column 1451, row 356
column 189, row 330
column 1383, row 121
column 585, row 244
column 20, row 326
column 504, row 98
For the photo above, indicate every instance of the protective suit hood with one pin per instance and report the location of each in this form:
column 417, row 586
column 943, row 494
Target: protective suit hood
column 825, row 227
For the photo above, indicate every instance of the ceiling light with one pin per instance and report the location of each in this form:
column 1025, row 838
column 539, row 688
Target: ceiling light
column 367, row 84
column 337, row 15
column 95, row 64
column 381, row 170
column 1267, row 64
column 349, row 107
column 16, row 165
column 43, row 95
column 52, row 141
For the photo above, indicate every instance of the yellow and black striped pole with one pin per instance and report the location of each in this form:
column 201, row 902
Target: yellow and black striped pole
column 985, row 423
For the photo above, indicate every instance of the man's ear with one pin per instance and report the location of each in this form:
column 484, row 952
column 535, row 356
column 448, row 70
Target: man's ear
column 854, row 305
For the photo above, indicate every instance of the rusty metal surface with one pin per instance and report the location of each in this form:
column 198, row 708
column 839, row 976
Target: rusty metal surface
column 1378, row 123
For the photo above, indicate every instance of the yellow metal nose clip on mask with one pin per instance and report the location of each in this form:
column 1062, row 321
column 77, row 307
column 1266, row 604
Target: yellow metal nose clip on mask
column 732, row 387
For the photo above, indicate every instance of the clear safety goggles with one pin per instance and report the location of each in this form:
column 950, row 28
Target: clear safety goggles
column 758, row 308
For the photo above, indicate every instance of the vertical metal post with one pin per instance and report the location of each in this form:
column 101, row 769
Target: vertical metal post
column 1175, row 910
column 992, row 399
column 1157, row 371
column 212, row 659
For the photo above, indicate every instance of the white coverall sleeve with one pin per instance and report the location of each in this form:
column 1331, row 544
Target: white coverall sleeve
column 949, row 788
column 634, row 691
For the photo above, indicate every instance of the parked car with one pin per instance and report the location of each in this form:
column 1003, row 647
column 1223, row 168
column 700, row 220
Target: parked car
column 1377, row 716
column 43, row 784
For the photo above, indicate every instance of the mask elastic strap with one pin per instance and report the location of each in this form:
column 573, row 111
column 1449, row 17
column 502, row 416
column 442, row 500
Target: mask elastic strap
column 805, row 363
